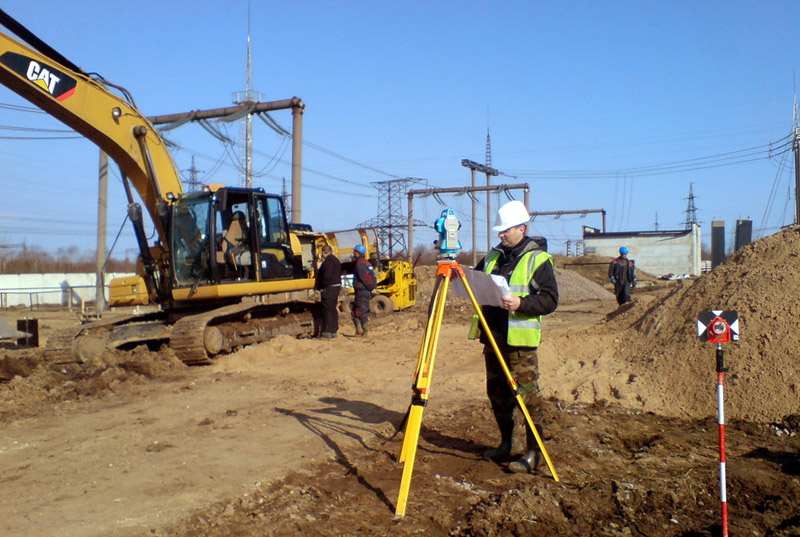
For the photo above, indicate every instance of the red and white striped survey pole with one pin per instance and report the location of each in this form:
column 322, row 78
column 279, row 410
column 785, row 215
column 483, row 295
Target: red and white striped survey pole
column 721, row 406
column 720, row 327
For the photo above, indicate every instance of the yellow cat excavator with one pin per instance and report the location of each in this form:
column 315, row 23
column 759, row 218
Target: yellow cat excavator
column 225, row 269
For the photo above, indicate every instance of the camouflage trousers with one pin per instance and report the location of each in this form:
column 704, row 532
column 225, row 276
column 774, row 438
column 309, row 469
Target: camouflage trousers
column 524, row 367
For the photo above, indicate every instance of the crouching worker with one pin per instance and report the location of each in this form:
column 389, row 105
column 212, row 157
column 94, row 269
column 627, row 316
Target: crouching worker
column 516, row 327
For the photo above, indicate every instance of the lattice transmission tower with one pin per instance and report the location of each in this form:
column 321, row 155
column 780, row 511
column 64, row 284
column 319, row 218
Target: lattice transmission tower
column 691, row 210
column 392, row 218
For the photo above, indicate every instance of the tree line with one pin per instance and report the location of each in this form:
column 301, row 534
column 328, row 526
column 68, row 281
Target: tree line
column 34, row 260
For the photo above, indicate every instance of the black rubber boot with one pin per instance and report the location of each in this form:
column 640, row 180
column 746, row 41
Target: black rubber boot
column 532, row 458
column 502, row 451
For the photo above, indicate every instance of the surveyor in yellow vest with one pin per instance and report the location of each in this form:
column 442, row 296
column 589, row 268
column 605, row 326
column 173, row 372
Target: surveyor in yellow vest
column 517, row 328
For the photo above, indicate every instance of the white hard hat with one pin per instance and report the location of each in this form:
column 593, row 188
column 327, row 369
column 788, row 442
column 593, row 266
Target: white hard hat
column 511, row 214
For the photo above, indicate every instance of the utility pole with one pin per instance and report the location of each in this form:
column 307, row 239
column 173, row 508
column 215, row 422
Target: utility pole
column 295, row 104
column 796, row 147
column 102, row 209
column 489, row 172
column 474, row 221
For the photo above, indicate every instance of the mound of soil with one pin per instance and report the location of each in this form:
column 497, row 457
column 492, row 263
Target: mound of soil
column 35, row 384
column 658, row 363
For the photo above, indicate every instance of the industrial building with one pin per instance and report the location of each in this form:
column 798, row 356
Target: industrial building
column 660, row 253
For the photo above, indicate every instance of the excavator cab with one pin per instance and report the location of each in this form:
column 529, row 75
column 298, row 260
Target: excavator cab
column 251, row 241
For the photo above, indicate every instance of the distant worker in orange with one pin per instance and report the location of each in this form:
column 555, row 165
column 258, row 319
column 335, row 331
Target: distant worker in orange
column 363, row 284
column 622, row 273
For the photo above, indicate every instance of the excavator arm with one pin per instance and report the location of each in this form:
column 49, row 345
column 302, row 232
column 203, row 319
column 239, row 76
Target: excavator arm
column 86, row 105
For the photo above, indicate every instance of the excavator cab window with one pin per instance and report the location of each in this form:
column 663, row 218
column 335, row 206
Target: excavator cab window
column 190, row 242
column 275, row 253
column 233, row 240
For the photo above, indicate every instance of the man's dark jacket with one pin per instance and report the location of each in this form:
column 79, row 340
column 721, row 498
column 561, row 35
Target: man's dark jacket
column 623, row 271
column 330, row 273
column 541, row 300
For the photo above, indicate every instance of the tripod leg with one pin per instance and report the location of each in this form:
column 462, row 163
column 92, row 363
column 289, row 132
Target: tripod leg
column 511, row 382
column 432, row 309
column 410, row 445
column 419, row 399
column 427, row 353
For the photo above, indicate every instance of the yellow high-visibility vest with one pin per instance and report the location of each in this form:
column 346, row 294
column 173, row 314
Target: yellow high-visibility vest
column 523, row 330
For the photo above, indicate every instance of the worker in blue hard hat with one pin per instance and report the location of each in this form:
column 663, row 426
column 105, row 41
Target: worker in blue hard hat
column 622, row 273
column 364, row 283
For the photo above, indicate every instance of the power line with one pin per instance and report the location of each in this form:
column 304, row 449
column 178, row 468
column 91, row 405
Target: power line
column 741, row 156
column 348, row 160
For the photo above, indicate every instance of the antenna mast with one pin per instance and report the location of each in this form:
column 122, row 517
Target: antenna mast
column 248, row 96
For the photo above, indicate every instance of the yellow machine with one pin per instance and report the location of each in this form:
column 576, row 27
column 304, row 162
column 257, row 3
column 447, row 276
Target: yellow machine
column 397, row 285
column 225, row 268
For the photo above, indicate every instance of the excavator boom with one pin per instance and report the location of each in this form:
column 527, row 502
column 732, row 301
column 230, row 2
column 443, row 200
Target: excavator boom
column 87, row 106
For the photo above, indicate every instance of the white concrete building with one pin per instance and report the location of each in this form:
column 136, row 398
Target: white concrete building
column 658, row 252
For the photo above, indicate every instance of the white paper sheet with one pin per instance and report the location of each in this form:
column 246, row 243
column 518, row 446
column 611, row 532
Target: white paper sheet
column 502, row 283
column 483, row 286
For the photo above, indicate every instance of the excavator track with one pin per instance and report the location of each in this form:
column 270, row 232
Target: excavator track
column 194, row 338
column 190, row 336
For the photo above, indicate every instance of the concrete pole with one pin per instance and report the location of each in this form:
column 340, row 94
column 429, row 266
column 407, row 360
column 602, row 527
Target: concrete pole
column 102, row 207
column 248, row 151
column 796, row 175
column 411, row 228
column 488, row 214
column 474, row 223
column 297, row 161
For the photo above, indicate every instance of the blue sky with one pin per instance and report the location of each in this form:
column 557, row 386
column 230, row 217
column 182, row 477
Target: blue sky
column 585, row 101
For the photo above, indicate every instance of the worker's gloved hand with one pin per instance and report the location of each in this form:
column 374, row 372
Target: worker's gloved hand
column 614, row 281
column 634, row 283
column 375, row 292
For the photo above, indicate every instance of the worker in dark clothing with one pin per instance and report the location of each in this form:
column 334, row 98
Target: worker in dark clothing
column 622, row 273
column 329, row 283
column 363, row 284
column 516, row 328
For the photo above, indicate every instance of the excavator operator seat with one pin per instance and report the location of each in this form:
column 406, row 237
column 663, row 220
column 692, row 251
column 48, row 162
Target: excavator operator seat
column 235, row 250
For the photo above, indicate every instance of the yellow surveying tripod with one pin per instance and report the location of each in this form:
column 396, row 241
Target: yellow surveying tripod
column 448, row 268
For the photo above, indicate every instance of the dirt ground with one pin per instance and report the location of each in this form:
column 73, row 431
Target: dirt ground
column 295, row 436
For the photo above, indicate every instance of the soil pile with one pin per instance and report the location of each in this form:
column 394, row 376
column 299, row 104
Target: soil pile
column 657, row 363
column 574, row 288
column 595, row 268
column 33, row 384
